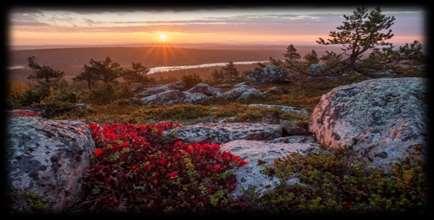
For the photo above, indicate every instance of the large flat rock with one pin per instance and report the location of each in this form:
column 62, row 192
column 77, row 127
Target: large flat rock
column 46, row 160
column 225, row 132
column 258, row 155
column 381, row 120
column 282, row 108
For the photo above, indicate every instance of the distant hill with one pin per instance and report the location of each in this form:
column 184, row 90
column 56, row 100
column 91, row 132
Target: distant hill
column 71, row 60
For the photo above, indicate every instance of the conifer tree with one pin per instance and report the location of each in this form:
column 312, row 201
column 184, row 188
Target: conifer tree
column 360, row 32
column 43, row 74
column 311, row 58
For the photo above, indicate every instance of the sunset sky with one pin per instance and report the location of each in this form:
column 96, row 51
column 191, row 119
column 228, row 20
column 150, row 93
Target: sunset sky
column 39, row 27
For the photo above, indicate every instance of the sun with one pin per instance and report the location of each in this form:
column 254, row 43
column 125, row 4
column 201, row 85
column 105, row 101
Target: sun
column 162, row 37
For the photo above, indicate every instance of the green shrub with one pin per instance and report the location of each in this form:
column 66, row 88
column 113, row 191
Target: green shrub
column 333, row 183
column 174, row 112
column 59, row 101
column 34, row 95
column 103, row 94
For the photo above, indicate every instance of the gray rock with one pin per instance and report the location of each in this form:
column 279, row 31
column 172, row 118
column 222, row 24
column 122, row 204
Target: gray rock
column 258, row 155
column 205, row 89
column 225, row 132
column 386, row 73
column 47, row 160
column 283, row 108
column 294, row 127
column 268, row 74
column 165, row 97
column 195, row 98
column 250, row 93
column 175, row 97
column 381, row 120
column 155, row 90
column 294, row 139
column 241, row 84
column 163, row 88
column 242, row 92
column 275, row 91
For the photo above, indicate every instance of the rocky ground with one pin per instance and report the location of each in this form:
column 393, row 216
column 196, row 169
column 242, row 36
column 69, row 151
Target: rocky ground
column 380, row 122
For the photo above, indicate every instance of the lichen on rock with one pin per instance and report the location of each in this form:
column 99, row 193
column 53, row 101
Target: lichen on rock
column 381, row 120
column 47, row 159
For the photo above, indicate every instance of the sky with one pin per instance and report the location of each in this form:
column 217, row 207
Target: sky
column 264, row 26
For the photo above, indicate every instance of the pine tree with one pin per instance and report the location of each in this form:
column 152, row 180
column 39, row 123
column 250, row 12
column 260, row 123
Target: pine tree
column 108, row 70
column 190, row 80
column 311, row 58
column 230, row 72
column 104, row 70
column 89, row 76
column 137, row 74
column 412, row 52
column 291, row 54
column 330, row 58
column 360, row 32
column 217, row 76
column 292, row 60
column 44, row 75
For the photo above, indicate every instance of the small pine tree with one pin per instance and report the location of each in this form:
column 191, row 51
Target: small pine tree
column 44, row 75
column 333, row 62
column 412, row 52
column 190, row 80
column 311, row 58
column 137, row 74
column 105, row 70
column 217, row 76
column 109, row 70
column 292, row 60
column 89, row 76
column 291, row 54
column 330, row 58
column 230, row 72
column 272, row 61
column 360, row 32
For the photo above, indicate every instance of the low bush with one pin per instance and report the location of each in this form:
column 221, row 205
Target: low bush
column 32, row 96
column 103, row 94
column 175, row 112
column 333, row 183
column 59, row 100
column 16, row 90
column 136, row 169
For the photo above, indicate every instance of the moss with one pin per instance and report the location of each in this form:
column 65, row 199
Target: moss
column 333, row 183
column 174, row 112
column 30, row 200
column 179, row 112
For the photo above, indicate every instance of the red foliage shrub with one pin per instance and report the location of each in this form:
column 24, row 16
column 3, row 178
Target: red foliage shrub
column 24, row 113
column 136, row 169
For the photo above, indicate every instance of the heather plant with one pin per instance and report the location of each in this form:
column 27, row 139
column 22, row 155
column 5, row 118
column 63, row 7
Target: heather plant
column 136, row 168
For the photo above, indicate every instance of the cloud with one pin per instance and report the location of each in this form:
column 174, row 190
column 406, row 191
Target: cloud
column 266, row 21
